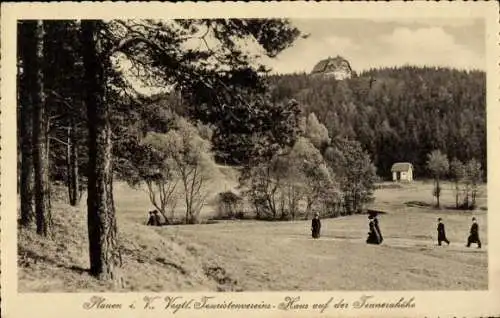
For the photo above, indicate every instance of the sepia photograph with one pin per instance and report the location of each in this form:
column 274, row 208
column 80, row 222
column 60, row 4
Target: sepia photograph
column 250, row 154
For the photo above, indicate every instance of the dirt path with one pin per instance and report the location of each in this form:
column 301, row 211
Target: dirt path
column 420, row 244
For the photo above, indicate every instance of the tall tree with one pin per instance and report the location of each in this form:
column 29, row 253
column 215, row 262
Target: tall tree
column 158, row 51
column 40, row 133
column 26, row 47
column 72, row 174
column 102, row 227
column 438, row 165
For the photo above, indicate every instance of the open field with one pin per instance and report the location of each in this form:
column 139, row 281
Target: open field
column 269, row 256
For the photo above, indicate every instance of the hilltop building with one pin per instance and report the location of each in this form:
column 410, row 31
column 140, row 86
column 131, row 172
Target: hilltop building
column 337, row 67
column 402, row 171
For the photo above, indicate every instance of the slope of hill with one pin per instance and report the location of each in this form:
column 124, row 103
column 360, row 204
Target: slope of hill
column 151, row 261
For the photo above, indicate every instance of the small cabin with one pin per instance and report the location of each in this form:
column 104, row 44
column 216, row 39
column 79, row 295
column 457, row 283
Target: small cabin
column 402, row 171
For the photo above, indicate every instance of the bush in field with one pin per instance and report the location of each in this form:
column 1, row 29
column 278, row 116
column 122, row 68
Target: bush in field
column 229, row 205
column 466, row 178
column 472, row 178
column 263, row 182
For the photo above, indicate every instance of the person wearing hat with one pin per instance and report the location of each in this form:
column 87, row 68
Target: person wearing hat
column 474, row 234
column 373, row 234
column 316, row 226
column 377, row 228
column 441, row 233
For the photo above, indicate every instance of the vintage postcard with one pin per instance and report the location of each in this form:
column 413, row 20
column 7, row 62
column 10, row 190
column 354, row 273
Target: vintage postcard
column 255, row 159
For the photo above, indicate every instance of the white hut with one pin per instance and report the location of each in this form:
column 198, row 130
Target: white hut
column 402, row 171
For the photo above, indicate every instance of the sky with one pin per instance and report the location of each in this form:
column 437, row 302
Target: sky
column 456, row 43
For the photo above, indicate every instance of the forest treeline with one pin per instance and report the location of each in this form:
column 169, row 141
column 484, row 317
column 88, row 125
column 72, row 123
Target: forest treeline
column 398, row 114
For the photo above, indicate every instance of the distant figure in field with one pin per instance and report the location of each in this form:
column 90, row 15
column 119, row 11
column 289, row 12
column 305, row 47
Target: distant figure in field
column 474, row 234
column 152, row 219
column 374, row 236
column 441, row 233
column 375, row 222
column 316, row 226
column 157, row 218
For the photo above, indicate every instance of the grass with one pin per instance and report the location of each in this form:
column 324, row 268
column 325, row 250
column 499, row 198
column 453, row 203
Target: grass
column 246, row 255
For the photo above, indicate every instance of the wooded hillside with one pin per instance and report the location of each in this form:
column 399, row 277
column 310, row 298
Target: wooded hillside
column 398, row 114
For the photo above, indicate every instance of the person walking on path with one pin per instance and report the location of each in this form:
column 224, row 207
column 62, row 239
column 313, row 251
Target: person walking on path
column 474, row 234
column 316, row 226
column 152, row 219
column 441, row 233
column 375, row 222
column 374, row 236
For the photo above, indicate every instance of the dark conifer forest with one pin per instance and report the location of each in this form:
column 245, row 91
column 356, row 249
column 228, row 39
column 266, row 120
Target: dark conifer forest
column 398, row 114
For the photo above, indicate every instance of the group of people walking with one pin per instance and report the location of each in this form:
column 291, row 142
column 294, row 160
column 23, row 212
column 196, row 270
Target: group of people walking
column 473, row 234
column 375, row 235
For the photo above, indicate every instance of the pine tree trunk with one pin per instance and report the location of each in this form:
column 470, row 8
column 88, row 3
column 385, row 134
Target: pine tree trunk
column 26, row 50
column 40, row 138
column 102, row 228
column 72, row 166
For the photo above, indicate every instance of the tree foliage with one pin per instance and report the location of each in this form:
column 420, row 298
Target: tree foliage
column 186, row 158
column 354, row 171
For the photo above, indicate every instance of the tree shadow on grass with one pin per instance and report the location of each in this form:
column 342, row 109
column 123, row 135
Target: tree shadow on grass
column 419, row 204
column 27, row 258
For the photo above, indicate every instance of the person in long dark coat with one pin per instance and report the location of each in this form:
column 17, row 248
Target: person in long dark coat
column 157, row 218
column 375, row 222
column 316, row 226
column 441, row 233
column 474, row 234
column 151, row 220
column 373, row 234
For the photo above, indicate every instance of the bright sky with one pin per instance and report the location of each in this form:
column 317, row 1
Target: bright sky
column 458, row 43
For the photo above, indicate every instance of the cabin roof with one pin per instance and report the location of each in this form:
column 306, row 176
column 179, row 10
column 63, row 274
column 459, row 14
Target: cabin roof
column 401, row 166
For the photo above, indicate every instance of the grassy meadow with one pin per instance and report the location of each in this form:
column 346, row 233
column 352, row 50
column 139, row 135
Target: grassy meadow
column 247, row 255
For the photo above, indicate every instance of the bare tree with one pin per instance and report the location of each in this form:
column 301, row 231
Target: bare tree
column 188, row 158
column 438, row 165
